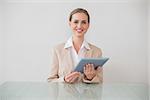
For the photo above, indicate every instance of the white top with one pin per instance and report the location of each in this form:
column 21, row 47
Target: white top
column 76, row 57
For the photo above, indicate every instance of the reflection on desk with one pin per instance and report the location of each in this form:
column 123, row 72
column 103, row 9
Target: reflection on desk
column 64, row 91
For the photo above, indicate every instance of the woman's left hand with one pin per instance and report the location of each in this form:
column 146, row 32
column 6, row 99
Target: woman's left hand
column 89, row 71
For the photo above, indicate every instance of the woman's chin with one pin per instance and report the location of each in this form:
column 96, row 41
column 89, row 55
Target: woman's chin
column 79, row 34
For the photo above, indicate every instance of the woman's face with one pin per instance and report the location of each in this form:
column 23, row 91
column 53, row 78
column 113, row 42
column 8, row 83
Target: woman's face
column 79, row 24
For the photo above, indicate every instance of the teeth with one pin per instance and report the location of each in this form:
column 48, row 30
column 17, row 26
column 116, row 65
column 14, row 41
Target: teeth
column 79, row 30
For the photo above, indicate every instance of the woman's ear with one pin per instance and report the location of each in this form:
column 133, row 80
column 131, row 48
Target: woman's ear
column 69, row 23
column 88, row 25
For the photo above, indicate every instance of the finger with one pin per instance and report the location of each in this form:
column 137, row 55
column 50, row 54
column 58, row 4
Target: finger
column 88, row 67
column 70, row 75
column 84, row 69
column 70, row 80
column 74, row 78
column 92, row 68
column 67, row 77
column 74, row 74
column 92, row 65
column 67, row 80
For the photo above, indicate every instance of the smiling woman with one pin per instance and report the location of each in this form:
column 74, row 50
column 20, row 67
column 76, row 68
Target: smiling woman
column 67, row 55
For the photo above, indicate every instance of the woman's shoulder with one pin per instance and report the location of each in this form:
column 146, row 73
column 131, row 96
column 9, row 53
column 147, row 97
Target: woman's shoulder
column 59, row 46
column 97, row 51
column 94, row 47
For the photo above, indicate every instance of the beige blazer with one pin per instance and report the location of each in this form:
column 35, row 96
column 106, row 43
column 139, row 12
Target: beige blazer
column 62, row 64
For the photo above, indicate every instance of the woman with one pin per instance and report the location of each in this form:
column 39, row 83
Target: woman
column 67, row 55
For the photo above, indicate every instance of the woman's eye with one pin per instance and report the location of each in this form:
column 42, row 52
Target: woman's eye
column 75, row 21
column 84, row 22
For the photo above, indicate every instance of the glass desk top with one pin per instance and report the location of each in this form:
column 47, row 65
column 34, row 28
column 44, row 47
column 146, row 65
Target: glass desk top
column 78, row 91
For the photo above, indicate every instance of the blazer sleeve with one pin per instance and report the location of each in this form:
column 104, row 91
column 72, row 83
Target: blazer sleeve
column 54, row 68
column 97, row 79
column 99, row 73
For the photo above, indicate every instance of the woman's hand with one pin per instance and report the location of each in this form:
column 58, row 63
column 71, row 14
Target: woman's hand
column 72, row 77
column 89, row 71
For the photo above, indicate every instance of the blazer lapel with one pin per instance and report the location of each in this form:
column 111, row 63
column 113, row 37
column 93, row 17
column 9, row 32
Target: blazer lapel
column 68, row 58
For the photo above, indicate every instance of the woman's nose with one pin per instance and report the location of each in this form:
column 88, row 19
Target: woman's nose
column 79, row 25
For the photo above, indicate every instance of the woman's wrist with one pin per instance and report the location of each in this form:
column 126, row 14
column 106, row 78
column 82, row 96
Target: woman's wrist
column 89, row 77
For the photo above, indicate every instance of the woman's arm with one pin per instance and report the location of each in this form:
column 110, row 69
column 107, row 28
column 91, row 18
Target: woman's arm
column 92, row 75
column 54, row 68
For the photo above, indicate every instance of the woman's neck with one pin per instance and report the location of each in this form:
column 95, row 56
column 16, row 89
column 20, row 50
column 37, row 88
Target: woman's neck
column 77, row 42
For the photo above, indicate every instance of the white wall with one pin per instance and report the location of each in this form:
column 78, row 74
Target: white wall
column 33, row 28
column 1, row 43
column 149, row 44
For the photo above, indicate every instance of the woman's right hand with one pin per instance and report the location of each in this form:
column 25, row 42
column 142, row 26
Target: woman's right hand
column 72, row 77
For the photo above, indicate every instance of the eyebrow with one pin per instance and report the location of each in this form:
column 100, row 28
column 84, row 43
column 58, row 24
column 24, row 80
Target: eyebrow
column 78, row 20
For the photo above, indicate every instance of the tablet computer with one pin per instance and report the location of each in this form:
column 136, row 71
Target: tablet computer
column 96, row 61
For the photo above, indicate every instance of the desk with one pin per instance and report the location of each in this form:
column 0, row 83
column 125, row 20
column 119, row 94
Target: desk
column 80, row 91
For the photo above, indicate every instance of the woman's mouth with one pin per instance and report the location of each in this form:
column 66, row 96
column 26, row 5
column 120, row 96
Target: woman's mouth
column 79, row 30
